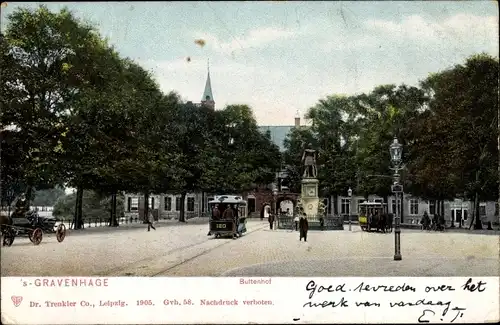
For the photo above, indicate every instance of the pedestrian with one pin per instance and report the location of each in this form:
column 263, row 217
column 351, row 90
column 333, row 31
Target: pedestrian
column 304, row 227
column 215, row 216
column 271, row 220
column 150, row 220
column 296, row 220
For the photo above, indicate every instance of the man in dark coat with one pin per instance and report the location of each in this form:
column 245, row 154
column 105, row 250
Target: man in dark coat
column 271, row 220
column 304, row 227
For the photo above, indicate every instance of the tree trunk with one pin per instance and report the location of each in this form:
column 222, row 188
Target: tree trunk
column 29, row 196
column 335, row 205
column 113, row 222
column 442, row 210
column 182, row 217
column 146, row 208
column 479, row 223
column 78, row 215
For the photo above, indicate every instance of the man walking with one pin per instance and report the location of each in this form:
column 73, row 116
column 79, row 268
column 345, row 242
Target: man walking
column 304, row 227
column 150, row 220
column 271, row 220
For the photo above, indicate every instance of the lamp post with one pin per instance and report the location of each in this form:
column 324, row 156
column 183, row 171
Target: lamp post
column 396, row 150
column 275, row 193
column 349, row 194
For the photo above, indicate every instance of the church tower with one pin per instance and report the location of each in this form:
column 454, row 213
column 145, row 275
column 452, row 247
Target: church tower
column 208, row 98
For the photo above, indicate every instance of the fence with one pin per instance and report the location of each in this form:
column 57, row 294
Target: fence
column 93, row 222
column 328, row 222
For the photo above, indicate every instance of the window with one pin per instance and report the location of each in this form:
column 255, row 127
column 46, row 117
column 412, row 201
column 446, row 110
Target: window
column 379, row 200
column 178, row 203
column 134, row 204
column 151, row 202
column 251, row 205
column 345, row 207
column 190, row 204
column 413, row 207
column 482, row 209
column 168, row 203
column 432, row 207
column 359, row 204
column 394, row 206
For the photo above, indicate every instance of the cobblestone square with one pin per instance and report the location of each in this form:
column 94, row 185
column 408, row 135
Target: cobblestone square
column 186, row 250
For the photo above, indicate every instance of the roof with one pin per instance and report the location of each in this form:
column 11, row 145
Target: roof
column 208, row 89
column 278, row 133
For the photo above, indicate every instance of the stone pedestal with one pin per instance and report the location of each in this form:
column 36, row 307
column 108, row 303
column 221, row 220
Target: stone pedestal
column 309, row 196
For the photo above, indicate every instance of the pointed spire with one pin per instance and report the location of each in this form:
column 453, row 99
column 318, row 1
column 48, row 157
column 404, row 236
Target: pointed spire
column 207, row 94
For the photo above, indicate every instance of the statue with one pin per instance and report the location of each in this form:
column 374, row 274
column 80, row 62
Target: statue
column 309, row 161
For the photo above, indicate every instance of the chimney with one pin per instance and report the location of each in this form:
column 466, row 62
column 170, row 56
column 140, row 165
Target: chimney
column 297, row 119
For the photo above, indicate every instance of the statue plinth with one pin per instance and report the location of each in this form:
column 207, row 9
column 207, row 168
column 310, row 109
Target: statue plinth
column 309, row 196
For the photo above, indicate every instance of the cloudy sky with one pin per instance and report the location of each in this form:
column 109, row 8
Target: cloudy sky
column 280, row 57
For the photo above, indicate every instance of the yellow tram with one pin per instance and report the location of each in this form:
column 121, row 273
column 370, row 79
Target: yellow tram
column 220, row 225
column 369, row 214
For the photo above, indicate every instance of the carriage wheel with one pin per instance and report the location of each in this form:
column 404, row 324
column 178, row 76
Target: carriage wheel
column 37, row 235
column 8, row 237
column 61, row 232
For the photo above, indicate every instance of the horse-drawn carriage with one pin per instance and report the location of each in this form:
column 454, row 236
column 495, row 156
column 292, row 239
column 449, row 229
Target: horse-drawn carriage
column 228, row 216
column 31, row 225
column 373, row 215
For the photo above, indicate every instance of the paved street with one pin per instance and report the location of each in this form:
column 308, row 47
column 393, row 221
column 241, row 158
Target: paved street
column 186, row 250
column 115, row 252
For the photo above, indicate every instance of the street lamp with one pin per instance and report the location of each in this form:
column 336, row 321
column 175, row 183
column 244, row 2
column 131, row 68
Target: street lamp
column 349, row 194
column 275, row 193
column 396, row 150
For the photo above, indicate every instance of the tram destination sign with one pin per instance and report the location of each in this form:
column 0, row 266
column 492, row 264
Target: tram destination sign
column 221, row 225
column 397, row 188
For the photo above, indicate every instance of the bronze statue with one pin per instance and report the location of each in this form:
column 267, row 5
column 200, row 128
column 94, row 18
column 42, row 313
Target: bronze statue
column 309, row 161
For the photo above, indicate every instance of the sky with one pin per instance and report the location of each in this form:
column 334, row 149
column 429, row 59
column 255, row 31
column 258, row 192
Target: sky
column 282, row 57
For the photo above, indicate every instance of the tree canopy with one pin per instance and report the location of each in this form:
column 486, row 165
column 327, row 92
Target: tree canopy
column 86, row 117
column 448, row 126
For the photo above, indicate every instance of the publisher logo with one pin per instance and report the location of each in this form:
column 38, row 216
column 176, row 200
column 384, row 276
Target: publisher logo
column 17, row 300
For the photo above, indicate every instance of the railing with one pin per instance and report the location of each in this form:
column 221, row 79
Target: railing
column 92, row 222
column 329, row 222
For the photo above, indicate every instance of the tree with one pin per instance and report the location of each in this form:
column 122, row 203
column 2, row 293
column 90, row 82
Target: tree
column 464, row 102
column 47, row 197
column 334, row 125
column 57, row 58
column 96, row 205
column 251, row 158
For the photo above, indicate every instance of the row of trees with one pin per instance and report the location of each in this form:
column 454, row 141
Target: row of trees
column 76, row 113
column 448, row 126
